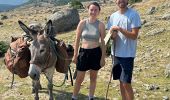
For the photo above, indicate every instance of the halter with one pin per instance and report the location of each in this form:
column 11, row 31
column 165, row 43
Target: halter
column 47, row 61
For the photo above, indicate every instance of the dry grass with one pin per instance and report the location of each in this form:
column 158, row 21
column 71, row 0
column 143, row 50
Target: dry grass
column 148, row 69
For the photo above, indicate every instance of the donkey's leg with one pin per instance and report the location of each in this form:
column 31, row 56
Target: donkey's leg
column 33, row 86
column 49, row 75
column 35, row 89
column 39, row 85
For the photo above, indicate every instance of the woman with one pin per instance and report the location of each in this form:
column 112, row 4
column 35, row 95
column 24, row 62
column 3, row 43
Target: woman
column 91, row 56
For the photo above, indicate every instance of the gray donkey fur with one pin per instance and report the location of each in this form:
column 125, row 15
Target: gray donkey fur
column 43, row 57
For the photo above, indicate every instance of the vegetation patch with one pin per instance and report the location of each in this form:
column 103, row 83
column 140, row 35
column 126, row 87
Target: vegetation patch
column 3, row 48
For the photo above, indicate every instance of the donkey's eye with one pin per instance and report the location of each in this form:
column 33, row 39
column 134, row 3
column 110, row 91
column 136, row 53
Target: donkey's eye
column 42, row 50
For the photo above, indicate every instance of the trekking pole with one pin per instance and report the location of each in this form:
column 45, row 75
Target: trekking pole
column 108, row 85
column 113, row 63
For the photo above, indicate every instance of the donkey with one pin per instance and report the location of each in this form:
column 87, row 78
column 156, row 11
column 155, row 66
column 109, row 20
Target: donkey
column 43, row 56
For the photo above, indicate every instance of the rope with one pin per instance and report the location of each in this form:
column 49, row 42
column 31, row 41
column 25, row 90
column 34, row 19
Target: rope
column 66, row 76
column 13, row 57
column 12, row 80
column 57, row 54
column 71, row 76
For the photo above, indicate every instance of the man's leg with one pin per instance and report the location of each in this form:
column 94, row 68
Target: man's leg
column 122, row 90
column 127, row 91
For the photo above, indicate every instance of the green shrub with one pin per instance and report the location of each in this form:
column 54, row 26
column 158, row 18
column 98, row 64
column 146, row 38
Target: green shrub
column 108, row 48
column 133, row 1
column 3, row 47
column 76, row 4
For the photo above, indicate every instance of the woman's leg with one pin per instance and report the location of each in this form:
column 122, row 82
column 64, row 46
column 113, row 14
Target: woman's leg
column 93, row 79
column 79, row 80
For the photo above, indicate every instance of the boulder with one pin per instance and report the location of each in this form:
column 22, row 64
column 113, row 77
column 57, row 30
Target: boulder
column 167, row 71
column 1, row 23
column 65, row 20
column 3, row 17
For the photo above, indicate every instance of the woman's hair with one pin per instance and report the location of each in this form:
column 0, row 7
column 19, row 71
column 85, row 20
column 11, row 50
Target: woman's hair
column 94, row 3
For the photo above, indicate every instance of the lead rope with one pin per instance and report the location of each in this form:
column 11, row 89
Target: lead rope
column 12, row 82
column 66, row 76
column 113, row 62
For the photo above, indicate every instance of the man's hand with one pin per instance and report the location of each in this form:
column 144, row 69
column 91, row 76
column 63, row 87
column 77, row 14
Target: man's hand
column 114, row 30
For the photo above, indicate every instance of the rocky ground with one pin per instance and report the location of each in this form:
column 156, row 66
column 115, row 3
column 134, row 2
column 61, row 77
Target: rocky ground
column 151, row 79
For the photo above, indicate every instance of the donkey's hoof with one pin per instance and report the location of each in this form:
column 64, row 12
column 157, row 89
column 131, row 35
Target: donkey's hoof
column 51, row 98
column 33, row 90
column 40, row 87
column 36, row 98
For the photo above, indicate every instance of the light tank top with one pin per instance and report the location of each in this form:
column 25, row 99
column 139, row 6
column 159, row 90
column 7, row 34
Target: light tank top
column 90, row 31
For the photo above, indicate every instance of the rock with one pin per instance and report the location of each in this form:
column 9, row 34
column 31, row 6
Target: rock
column 167, row 71
column 165, row 98
column 65, row 20
column 151, row 87
column 3, row 17
column 147, row 24
column 166, row 89
column 166, row 17
column 143, row 21
column 155, row 32
column 151, row 10
column 1, row 23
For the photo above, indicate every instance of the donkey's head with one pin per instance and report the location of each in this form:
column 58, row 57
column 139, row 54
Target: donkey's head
column 42, row 53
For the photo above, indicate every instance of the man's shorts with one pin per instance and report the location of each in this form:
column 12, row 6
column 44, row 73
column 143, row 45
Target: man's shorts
column 122, row 69
column 89, row 59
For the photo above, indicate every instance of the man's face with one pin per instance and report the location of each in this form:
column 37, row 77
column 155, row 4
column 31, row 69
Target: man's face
column 122, row 3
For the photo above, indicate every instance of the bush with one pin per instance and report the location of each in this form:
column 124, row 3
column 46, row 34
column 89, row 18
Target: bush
column 133, row 1
column 3, row 48
column 108, row 48
column 76, row 4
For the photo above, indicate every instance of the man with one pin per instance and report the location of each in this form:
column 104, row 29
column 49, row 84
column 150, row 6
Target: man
column 124, row 26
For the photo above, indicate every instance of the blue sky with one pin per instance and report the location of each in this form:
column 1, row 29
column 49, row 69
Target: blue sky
column 13, row 2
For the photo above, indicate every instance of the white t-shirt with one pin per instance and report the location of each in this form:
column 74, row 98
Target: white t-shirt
column 125, row 47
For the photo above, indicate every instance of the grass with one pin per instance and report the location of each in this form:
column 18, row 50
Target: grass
column 152, row 57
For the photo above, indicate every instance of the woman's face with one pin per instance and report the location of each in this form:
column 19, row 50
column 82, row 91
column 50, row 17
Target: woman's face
column 122, row 3
column 93, row 11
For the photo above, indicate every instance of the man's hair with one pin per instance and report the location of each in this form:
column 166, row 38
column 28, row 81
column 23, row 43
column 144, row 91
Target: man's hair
column 94, row 3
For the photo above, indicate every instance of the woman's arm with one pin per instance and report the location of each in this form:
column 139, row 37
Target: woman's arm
column 77, row 40
column 103, row 47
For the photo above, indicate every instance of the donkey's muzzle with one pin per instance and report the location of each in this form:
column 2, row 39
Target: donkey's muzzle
column 34, row 72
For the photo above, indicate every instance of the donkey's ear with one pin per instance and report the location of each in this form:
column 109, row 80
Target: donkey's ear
column 13, row 39
column 49, row 28
column 24, row 27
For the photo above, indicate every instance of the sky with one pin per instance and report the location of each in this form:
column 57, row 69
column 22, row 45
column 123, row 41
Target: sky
column 13, row 2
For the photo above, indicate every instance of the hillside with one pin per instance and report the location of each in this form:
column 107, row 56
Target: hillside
column 5, row 7
column 152, row 64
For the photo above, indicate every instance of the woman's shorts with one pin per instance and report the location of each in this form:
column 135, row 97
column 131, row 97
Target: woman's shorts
column 89, row 59
column 122, row 69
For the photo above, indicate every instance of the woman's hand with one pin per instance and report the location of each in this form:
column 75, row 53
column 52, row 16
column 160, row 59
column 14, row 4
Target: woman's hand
column 74, row 59
column 102, row 62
